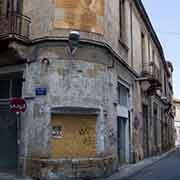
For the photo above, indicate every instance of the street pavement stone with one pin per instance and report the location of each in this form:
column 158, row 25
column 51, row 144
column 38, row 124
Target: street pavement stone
column 128, row 171
column 165, row 169
column 8, row 176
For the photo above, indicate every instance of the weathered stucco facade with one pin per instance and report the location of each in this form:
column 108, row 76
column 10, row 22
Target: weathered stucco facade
column 177, row 123
column 108, row 103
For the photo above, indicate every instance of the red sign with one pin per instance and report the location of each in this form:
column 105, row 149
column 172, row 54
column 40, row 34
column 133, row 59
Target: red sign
column 17, row 105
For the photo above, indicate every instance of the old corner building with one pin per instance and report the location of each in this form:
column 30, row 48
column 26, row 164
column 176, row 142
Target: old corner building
column 107, row 103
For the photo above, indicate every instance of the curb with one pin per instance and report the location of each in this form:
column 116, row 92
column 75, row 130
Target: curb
column 127, row 172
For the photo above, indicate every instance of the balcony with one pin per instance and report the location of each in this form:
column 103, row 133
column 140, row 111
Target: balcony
column 14, row 25
column 153, row 74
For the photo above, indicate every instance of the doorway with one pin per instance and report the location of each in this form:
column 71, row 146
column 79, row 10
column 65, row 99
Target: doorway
column 123, row 138
column 10, row 86
column 145, row 131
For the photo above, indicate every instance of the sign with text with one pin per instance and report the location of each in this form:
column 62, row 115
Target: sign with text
column 83, row 15
column 17, row 105
column 41, row 91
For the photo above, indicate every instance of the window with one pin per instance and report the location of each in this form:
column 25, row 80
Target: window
column 10, row 6
column 5, row 86
column 155, row 118
column 3, row 7
column 143, row 49
column 153, row 56
column 10, row 86
column 123, row 95
column 122, row 19
column 18, row 6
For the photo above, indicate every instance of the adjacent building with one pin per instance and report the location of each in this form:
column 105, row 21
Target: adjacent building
column 177, row 122
column 91, row 107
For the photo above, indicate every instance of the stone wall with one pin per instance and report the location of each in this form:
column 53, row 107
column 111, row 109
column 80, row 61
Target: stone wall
column 89, row 81
column 71, row 168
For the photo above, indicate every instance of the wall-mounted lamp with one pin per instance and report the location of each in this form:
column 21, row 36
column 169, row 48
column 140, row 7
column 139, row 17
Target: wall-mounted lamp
column 73, row 41
column 45, row 61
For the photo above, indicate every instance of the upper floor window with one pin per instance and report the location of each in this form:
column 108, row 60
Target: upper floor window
column 7, row 6
column 155, row 111
column 18, row 6
column 153, row 55
column 3, row 7
column 143, row 48
column 122, row 19
column 123, row 95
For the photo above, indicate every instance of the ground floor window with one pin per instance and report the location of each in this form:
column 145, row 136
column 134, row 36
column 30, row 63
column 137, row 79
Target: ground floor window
column 73, row 136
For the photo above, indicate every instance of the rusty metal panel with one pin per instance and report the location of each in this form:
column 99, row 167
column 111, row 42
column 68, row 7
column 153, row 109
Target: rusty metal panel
column 84, row 15
column 73, row 136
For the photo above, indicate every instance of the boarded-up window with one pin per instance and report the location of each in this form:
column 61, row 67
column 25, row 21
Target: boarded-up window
column 73, row 136
column 84, row 15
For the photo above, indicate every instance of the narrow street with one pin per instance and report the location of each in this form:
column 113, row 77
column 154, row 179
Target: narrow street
column 165, row 169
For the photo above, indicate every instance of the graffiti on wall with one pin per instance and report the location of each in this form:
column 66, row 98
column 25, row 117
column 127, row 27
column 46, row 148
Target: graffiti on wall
column 57, row 132
column 84, row 15
column 87, row 136
column 112, row 137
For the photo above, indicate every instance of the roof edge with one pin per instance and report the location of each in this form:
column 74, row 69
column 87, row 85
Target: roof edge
column 150, row 28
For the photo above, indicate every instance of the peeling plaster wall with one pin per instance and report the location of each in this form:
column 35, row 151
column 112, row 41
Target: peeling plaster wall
column 85, row 81
column 43, row 24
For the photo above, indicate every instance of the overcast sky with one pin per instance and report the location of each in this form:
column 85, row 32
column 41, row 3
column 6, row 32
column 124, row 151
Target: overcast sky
column 165, row 17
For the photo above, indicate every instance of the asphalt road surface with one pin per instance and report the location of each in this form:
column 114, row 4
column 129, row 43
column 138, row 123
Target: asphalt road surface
column 165, row 169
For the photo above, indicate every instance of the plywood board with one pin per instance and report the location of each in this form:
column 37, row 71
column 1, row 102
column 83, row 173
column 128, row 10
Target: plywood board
column 83, row 15
column 77, row 137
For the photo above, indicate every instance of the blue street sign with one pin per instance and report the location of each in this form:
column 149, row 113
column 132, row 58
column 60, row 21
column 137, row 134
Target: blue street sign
column 41, row 91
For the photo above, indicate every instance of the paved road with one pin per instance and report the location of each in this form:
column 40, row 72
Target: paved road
column 165, row 169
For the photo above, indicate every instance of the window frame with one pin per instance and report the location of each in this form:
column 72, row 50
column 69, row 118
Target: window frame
column 119, row 87
column 122, row 20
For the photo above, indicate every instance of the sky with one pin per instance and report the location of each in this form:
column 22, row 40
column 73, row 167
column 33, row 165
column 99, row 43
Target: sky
column 165, row 18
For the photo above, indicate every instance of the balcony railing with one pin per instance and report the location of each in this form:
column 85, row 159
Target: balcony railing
column 151, row 71
column 14, row 24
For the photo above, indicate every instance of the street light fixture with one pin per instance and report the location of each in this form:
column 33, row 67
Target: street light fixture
column 74, row 38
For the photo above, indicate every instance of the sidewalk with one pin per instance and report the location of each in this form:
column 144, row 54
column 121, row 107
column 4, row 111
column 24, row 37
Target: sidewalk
column 127, row 171
column 7, row 176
